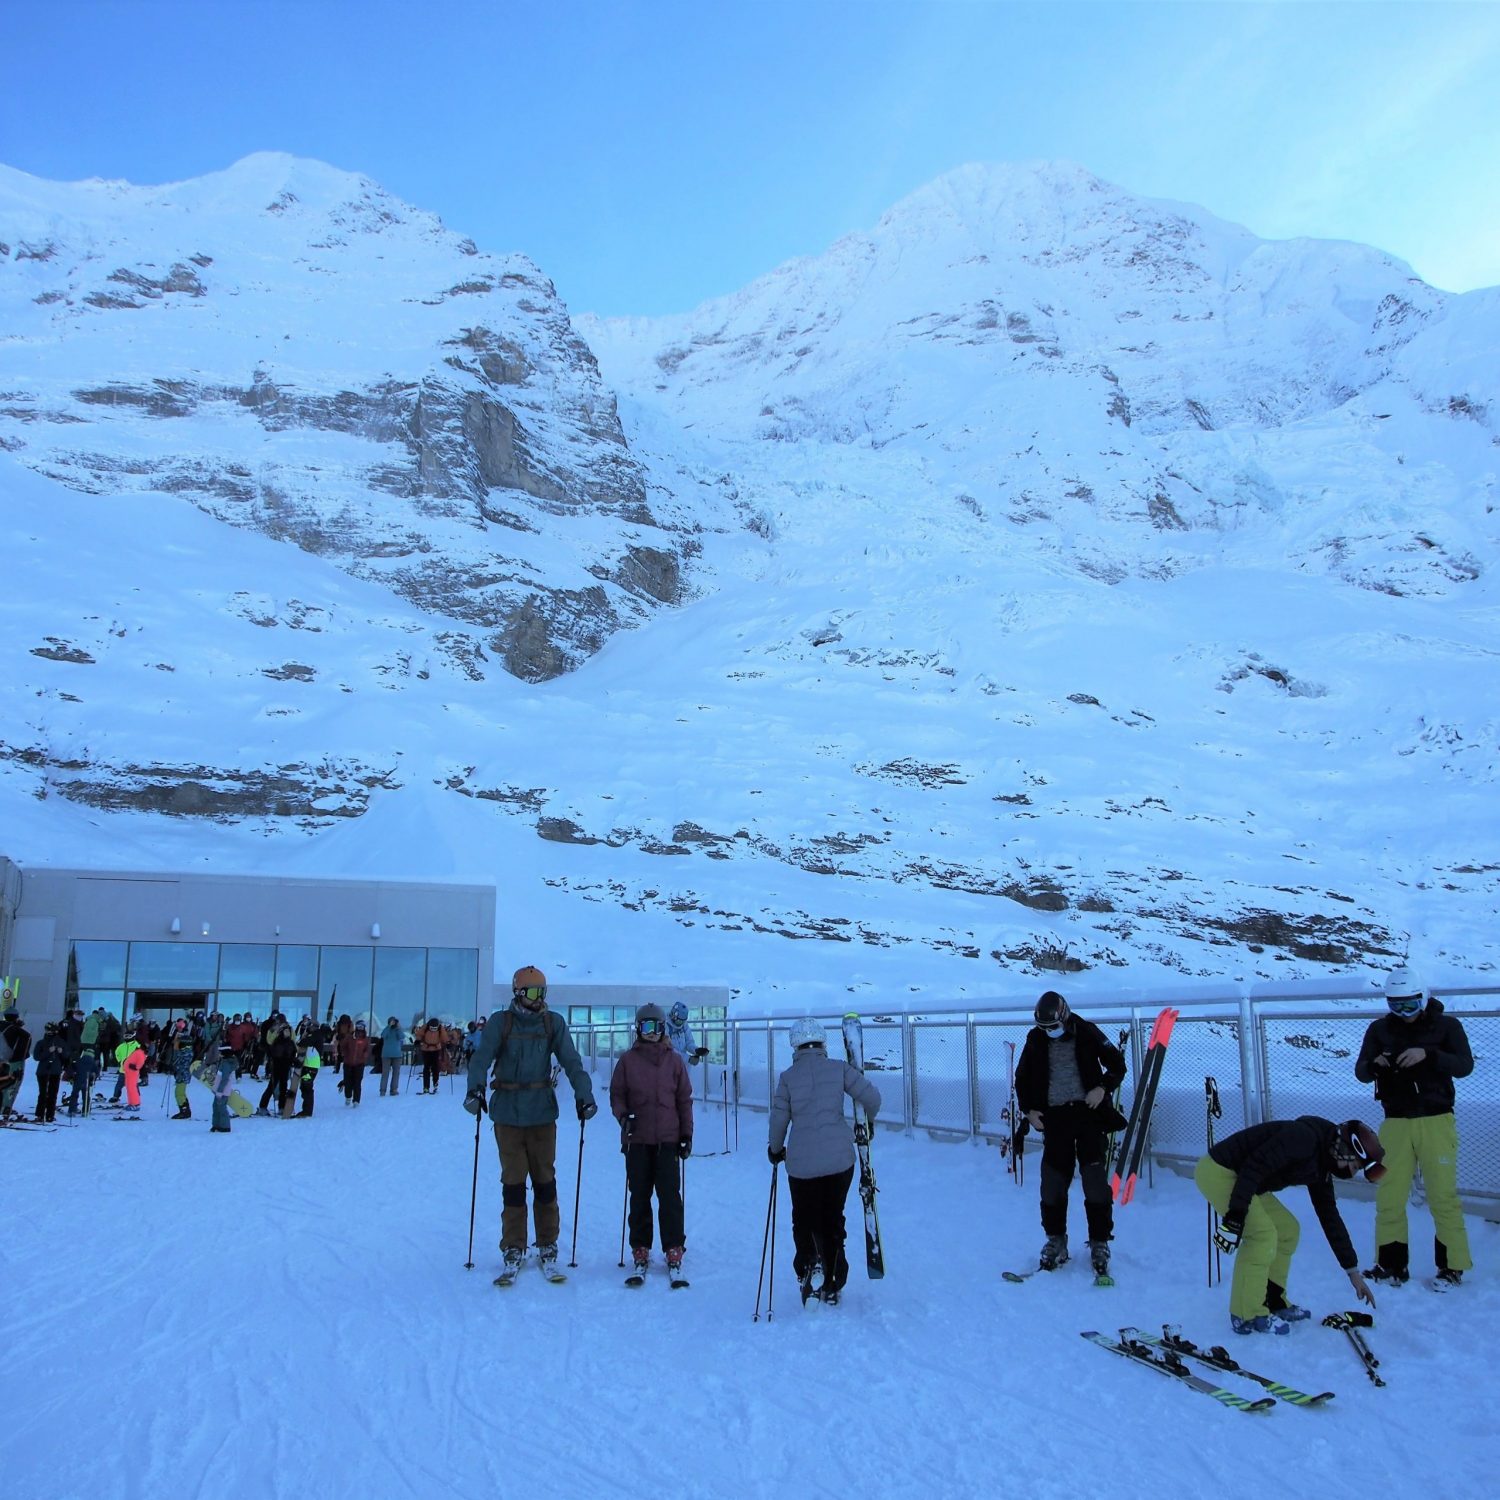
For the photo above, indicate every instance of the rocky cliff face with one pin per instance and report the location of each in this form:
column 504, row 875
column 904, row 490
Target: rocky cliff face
column 298, row 353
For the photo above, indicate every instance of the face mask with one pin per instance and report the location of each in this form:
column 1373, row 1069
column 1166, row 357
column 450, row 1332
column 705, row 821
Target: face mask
column 1055, row 1032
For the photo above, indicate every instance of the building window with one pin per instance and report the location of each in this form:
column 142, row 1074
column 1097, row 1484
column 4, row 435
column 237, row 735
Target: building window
column 173, row 966
column 452, row 983
column 344, row 982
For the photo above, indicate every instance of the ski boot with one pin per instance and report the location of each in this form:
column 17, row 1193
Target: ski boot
column 546, row 1259
column 1265, row 1323
column 810, row 1283
column 185, row 1113
column 1387, row 1276
column 514, row 1260
column 1277, row 1304
column 674, row 1267
column 1099, row 1262
column 640, row 1259
column 1054, row 1253
column 1447, row 1278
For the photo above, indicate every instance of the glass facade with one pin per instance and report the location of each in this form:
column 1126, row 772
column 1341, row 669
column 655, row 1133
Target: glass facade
column 366, row 983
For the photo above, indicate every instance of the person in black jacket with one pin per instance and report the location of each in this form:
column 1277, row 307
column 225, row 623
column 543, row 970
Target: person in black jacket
column 1240, row 1177
column 1064, row 1080
column 49, row 1055
column 1412, row 1055
column 281, row 1054
column 15, row 1045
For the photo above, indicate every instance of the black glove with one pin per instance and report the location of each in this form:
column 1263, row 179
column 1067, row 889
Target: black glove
column 587, row 1111
column 776, row 1154
column 1227, row 1235
column 684, row 1149
column 627, row 1129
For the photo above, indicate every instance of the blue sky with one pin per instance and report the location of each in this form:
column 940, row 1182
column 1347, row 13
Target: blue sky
column 650, row 155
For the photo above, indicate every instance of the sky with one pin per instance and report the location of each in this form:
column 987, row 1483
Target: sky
column 649, row 156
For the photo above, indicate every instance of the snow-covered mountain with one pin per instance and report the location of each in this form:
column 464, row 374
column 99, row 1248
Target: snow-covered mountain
column 1049, row 581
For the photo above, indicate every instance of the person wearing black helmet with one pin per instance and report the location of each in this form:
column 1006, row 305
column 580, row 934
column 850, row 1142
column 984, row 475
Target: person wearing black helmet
column 1412, row 1055
column 1242, row 1174
column 223, row 1088
column 180, row 1060
column 50, row 1056
column 520, row 1043
column 15, row 1047
column 1066, row 1075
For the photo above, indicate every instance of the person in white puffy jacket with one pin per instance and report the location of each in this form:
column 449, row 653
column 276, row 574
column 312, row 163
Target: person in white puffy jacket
column 819, row 1154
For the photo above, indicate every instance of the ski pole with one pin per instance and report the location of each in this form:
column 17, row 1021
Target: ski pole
column 724, row 1090
column 1213, row 1111
column 474, row 1190
column 577, row 1189
column 767, row 1239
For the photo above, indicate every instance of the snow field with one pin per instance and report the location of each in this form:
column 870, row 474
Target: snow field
column 287, row 1307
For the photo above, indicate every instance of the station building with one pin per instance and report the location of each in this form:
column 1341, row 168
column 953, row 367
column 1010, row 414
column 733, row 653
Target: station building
column 161, row 943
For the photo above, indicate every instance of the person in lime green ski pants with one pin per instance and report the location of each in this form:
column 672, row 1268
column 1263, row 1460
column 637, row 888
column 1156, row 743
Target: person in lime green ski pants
column 1412, row 1055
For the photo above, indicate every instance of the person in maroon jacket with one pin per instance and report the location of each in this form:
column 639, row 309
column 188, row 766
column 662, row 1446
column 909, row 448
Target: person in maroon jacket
column 653, row 1100
column 355, row 1052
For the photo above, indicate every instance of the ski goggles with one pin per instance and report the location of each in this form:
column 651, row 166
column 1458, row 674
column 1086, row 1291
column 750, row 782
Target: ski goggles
column 1406, row 1005
column 532, row 992
column 1356, row 1160
column 650, row 1027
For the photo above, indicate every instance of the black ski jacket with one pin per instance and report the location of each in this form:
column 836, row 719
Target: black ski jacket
column 1427, row 1089
column 1100, row 1065
column 1282, row 1154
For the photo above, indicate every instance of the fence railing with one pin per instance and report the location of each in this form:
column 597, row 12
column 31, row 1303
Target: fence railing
column 947, row 1072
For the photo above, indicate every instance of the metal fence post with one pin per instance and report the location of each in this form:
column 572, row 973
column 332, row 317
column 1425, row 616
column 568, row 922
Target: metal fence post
column 971, row 1050
column 1252, row 1063
column 909, row 1071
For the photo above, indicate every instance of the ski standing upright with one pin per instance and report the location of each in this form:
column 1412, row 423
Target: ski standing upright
column 854, row 1050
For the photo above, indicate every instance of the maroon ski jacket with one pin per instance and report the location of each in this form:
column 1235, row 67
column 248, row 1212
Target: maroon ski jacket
column 651, row 1083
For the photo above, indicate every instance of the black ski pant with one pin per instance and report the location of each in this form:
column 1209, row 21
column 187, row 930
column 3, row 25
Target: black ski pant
column 1072, row 1138
column 354, row 1074
column 818, row 1226
column 46, row 1095
column 655, row 1169
column 279, row 1085
column 431, row 1062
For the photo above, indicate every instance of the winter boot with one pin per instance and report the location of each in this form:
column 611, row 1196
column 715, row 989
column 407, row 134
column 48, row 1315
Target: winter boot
column 1448, row 1277
column 1054, row 1252
column 1387, row 1275
column 1099, row 1257
column 185, row 1113
column 1392, row 1264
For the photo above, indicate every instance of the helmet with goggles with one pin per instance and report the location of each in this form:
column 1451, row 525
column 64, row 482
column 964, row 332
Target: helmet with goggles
column 529, row 986
column 1357, row 1149
column 651, row 1022
column 1405, row 993
column 1052, row 1013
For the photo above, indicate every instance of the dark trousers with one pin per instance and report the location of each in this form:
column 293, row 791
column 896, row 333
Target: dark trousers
column 431, row 1063
column 279, row 1085
column 655, row 1169
column 46, row 1095
column 818, row 1226
column 1072, row 1139
column 354, row 1074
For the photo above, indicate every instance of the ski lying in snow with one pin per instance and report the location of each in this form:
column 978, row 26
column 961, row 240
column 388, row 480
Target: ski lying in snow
column 1171, row 1365
column 25, row 1125
column 1218, row 1358
column 1138, row 1127
column 854, row 1050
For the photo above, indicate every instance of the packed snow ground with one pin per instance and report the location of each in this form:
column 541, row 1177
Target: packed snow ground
column 286, row 1311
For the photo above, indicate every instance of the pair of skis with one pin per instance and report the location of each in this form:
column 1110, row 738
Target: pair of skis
column 854, row 1050
column 637, row 1277
column 1169, row 1354
column 550, row 1270
column 1138, row 1128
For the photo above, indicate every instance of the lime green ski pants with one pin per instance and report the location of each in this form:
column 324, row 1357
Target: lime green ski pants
column 1266, row 1246
column 1432, row 1144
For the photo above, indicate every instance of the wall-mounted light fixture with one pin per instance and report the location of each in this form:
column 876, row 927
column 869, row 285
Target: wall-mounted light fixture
column 176, row 925
column 205, row 929
column 374, row 929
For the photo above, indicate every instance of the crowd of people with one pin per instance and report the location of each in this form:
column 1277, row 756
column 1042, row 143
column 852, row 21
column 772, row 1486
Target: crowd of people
column 1067, row 1082
column 286, row 1055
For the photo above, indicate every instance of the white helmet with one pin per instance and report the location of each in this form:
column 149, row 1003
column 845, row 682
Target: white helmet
column 1405, row 992
column 807, row 1032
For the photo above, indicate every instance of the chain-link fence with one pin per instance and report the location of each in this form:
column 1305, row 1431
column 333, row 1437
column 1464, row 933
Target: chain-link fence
column 951, row 1073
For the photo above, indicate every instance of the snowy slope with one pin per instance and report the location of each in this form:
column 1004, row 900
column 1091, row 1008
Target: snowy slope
column 1075, row 586
column 249, row 1315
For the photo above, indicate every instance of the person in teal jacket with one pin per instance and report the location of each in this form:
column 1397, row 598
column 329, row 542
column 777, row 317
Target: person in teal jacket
column 520, row 1043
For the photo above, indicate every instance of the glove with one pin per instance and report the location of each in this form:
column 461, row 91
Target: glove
column 684, row 1149
column 627, row 1129
column 1227, row 1235
column 473, row 1101
column 587, row 1111
column 776, row 1154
